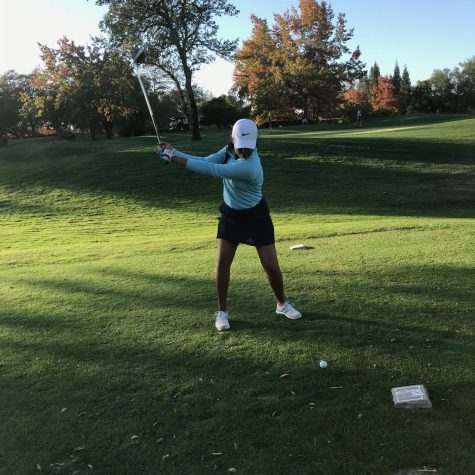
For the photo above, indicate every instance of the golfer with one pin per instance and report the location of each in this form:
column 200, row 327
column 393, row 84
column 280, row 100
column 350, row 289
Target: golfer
column 359, row 118
column 244, row 217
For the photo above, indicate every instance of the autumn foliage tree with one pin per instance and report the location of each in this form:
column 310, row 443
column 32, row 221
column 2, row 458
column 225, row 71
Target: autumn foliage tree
column 357, row 98
column 302, row 62
column 382, row 96
column 256, row 75
column 358, row 94
column 315, row 68
column 86, row 85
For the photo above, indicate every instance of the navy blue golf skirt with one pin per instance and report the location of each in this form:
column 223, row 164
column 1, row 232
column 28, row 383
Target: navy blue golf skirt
column 252, row 226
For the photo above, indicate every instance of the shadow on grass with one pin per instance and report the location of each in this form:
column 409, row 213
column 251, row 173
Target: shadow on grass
column 412, row 303
column 205, row 396
column 371, row 176
column 129, row 363
column 192, row 399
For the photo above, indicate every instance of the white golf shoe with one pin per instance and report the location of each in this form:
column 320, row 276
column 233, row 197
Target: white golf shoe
column 288, row 310
column 222, row 321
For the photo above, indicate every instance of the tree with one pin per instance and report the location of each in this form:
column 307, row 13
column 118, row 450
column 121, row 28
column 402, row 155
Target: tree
column 316, row 68
column 446, row 91
column 68, row 77
column 396, row 79
column 12, row 86
column 8, row 116
column 359, row 94
column 256, row 74
column 32, row 109
column 355, row 98
column 181, row 35
column 86, row 85
column 8, row 108
column 301, row 62
column 382, row 96
column 221, row 111
column 422, row 97
column 374, row 74
column 465, row 83
column 443, row 90
column 405, row 91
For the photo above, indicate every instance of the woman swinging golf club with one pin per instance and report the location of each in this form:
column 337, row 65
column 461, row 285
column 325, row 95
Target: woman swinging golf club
column 245, row 216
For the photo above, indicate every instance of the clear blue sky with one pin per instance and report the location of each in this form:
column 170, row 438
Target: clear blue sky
column 423, row 34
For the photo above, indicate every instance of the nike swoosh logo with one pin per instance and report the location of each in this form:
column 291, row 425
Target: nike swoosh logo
column 243, row 135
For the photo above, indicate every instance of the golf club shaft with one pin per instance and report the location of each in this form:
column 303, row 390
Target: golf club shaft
column 149, row 107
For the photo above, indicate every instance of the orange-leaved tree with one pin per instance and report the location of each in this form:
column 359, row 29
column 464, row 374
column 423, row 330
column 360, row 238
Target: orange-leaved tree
column 256, row 75
column 382, row 95
column 307, row 64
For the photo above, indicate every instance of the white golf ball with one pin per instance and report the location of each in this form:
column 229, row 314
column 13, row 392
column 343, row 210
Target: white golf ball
column 323, row 364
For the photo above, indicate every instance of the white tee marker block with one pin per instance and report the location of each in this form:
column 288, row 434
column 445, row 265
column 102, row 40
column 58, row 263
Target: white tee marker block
column 298, row 247
column 411, row 397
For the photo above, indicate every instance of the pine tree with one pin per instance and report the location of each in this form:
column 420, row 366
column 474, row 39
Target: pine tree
column 406, row 81
column 396, row 79
column 374, row 74
column 405, row 91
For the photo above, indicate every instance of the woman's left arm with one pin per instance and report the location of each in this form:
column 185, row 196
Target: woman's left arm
column 217, row 157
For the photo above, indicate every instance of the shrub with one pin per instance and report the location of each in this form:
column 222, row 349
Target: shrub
column 44, row 131
column 383, row 112
column 66, row 135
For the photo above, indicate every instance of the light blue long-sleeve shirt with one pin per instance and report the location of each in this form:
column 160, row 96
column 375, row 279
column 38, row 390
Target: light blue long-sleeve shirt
column 242, row 177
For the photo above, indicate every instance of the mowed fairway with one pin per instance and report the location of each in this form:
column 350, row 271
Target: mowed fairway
column 109, row 360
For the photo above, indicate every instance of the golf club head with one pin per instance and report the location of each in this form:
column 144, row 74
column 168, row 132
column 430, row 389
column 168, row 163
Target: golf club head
column 138, row 55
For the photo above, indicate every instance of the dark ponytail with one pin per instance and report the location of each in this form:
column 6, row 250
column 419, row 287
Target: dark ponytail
column 229, row 149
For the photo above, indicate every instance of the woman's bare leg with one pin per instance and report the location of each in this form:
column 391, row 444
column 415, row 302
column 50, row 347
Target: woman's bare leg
column 270, row 263
column 226, row 252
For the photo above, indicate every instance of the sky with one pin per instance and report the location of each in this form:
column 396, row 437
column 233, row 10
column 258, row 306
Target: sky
column 422, row 34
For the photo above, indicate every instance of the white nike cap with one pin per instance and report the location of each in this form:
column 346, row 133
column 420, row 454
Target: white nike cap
column 245, row 134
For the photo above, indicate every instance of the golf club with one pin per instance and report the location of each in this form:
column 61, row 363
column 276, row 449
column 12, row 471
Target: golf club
column 138, row 57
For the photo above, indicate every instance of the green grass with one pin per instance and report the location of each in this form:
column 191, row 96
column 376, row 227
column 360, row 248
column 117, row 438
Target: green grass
column 108, row 354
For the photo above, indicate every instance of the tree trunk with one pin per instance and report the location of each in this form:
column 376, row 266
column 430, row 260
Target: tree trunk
column 108, row 128
column 92, row 128
column 195, row 127
column 33, row 129
column 305, row 107
column 316, row 112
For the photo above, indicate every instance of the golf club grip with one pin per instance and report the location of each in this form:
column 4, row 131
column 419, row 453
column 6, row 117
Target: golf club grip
column 162, row 147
